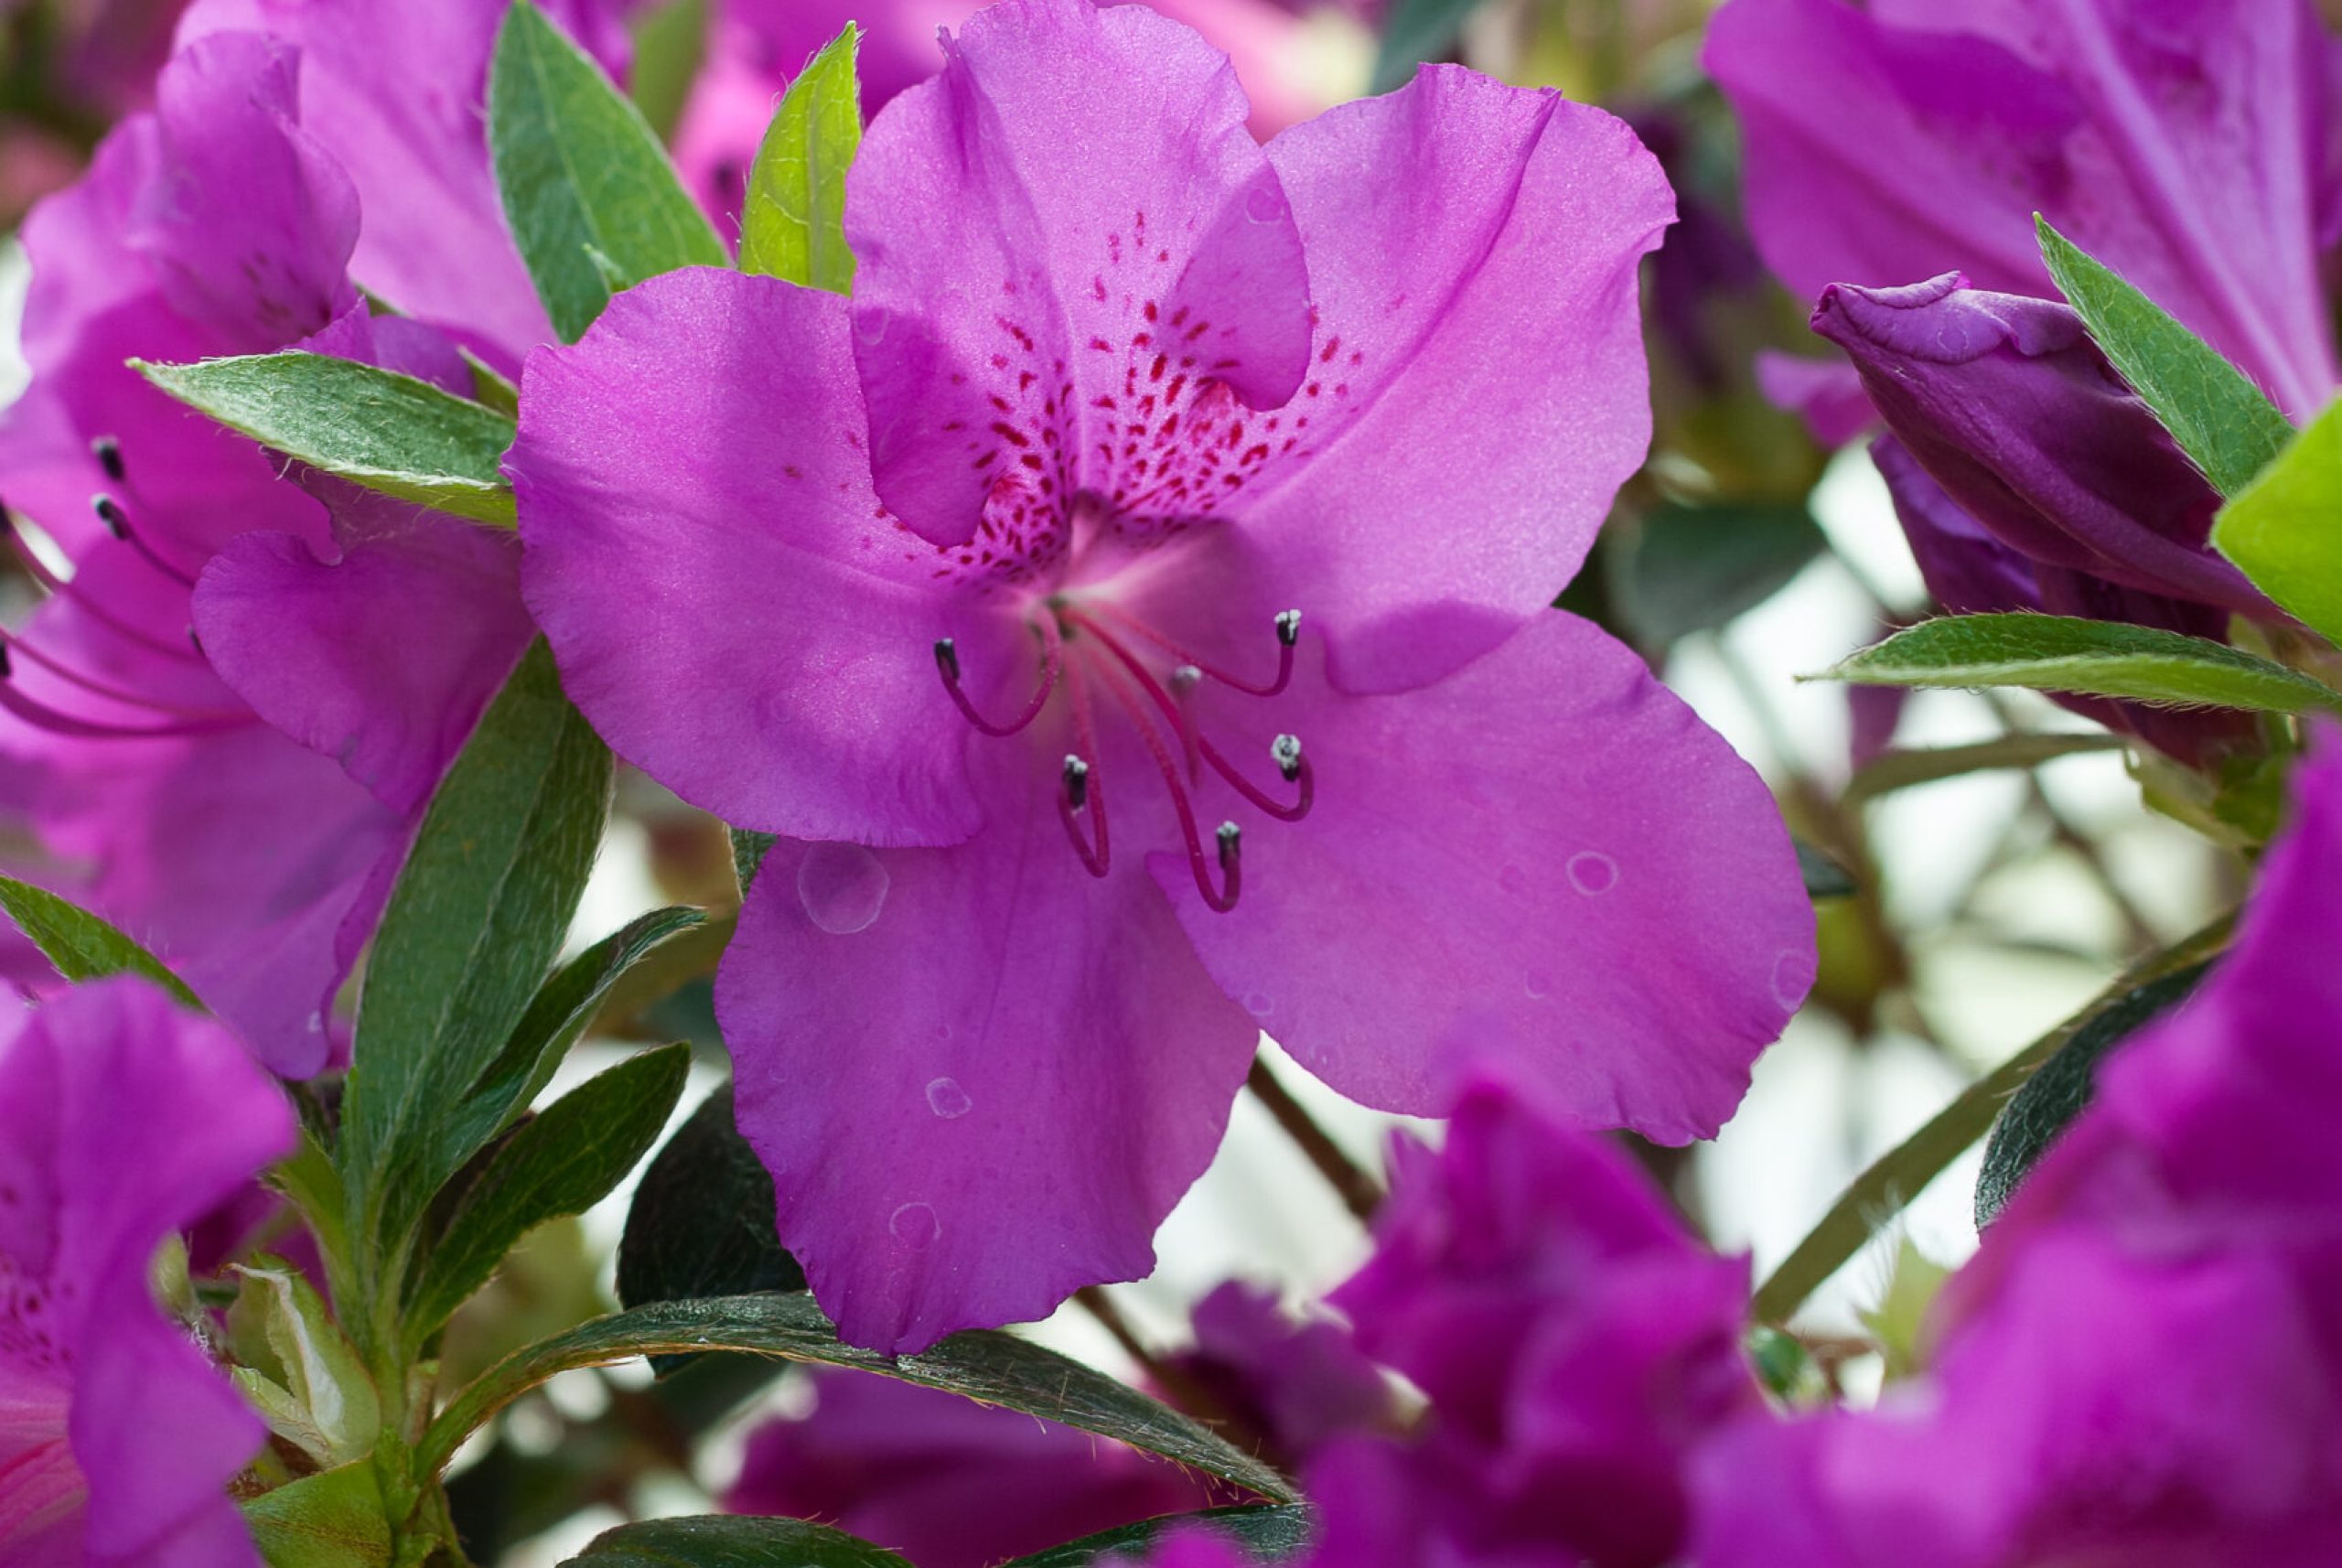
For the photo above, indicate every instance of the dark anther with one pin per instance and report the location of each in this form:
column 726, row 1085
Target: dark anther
column 109, row 512
column 5, row 667
column 1231, row 839
column 193, row 640
column 108, row 452
column 1286, row 749
column 947, row 659
column 1289, row 627
column 1077, row 781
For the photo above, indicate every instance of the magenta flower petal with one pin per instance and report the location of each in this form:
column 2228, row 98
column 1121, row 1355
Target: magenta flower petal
column 2181, row 144
column 1601, row 885
column 733, row 513
column 120, row 1437
column 1464, row 376
column 1030, row 243
column 945, row 1057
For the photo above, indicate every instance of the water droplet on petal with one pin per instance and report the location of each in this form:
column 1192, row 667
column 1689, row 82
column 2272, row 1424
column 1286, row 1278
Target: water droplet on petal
column 1792, row 977
column 1539, row 984
column 841, row 886
column 1593, row 873
column 1260, row 1004
column 1264, row 204
column 870, row 326
column 947, row 1099
column 915, row 1226
column 1513, row 880
column 317, row 1024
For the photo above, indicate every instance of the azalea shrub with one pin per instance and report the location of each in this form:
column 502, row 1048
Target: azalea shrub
column 1083, row 565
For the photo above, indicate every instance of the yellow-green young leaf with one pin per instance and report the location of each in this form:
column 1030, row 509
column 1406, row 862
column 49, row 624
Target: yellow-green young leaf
column 375, row 427
column 2095, row 658
column 731, row 1540
column 793, row 225
column 79, row 944
column 299, row 1368
column 2220, row 419
column 582, row 173
column 2285, row 530
column 331, row 1519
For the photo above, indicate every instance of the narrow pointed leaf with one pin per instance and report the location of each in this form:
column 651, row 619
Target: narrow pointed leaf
column 1268, row 1532
column 748, row 851
column 990, row 1368
column 471, row 927
column 580, row 171
column 80, row 945
column 793, row 225
column 2285, row 530
column 2220, row 419
column 2095, row 658
column 702, row 1222
column 378, row 428
column 561, row 1162
column 731, row 1540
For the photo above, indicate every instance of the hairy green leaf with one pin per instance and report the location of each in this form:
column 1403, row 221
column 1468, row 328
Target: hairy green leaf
column 2284, row 531
column 701, row 1223
column 793, row 225
column 80, row 945
column 2220, row 419
column 1692, row 568
column 581, row 171
column 2095, row 658
column 1269, row 1532
column 749, row 852
column 990, row 1368
column 378, row 428
column 732, row 1541
column 331, row 1519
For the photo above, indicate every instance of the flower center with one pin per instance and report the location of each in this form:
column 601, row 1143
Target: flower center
column 1087, row 649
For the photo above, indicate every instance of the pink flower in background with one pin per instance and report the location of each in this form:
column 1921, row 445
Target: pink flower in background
column 118, row 1437
column 1116, row 392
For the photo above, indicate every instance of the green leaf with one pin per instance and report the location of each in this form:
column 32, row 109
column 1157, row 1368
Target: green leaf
column 2095, row 658
column 1413, row 32
column 557, row 1015
column 1692, row 568
column 1269, row 1532
column 701, row 1223
column 732, row 1541
column 793, row 225
column 331, row 1519
column 749, row 852
column 375, row 427
column 1894, row 770
column 474, row 922
column 299, row 1369
column 578, row 168
column 1824, row 878
column 670, row 46
column 79, row 944
column 2220, row 419
column 2284, row 531
column 988, row 1366
column 1895, row 1177
column 2062, row 1086
column 563, row 1161
column 491, row 387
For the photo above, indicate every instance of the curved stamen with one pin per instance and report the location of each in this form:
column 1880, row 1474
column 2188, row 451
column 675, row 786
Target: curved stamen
column 1287, row 626
column 117, row 523
column 1230, row 836
column 64, row 588
column 42, row 716
column 14, row 644
column 946, row 663
column 1084, row 793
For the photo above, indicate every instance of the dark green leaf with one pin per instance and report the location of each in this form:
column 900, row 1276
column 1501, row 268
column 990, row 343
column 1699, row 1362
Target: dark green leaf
column 1895, row 1177
column 1689, row 569
column 2285, row 530
column 793, row 225
column 331, row 1519
column 732, row 1541
column 748, row 851
column 375, row 427
column 701, row 1223
column 2095, row 658
column 578, row 169
column 2061, row 1086
column 558, row 1014
column 1412, row 32
column 1269, row 1532
column 563, row 1161
column 476, row 918
column 79, row 944
column 1895, row 771
column 2212, row 409
column 669, row 45
column 1824, row 878
column 990, row 1368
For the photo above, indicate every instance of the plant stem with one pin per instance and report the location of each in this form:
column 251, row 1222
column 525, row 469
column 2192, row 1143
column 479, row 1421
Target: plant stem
column 1358, row 1190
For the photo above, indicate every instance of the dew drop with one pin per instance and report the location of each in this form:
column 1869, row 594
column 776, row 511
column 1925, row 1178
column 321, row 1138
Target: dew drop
column 870, row 326
column 1513, row 880
column 1265, row 204
column 1539, row 984
column 947, row 1099
column 841, row 886
column 317, row 1024
column 915, row 1226
column 1260, row 1004
column 1792, row 977
column 1593, row 873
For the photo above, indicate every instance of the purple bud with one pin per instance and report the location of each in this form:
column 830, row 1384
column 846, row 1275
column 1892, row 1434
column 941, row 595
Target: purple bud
column 2008, row 405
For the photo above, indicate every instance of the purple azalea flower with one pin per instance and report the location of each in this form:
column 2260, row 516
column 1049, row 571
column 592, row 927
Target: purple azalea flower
column 118, row 1437
column 948, row 1483
column 1291, row 1384
column 943, row 582
column 2143, row 1365
column 2184, row 143
column 369, row 632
